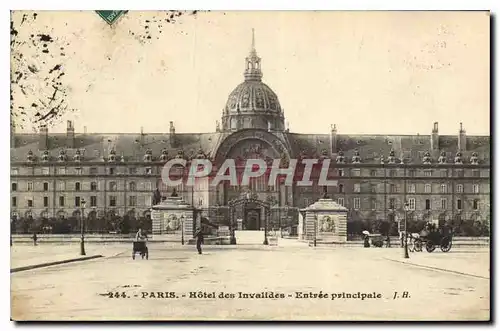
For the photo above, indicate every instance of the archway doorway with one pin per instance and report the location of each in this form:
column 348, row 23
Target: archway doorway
column 253, row 213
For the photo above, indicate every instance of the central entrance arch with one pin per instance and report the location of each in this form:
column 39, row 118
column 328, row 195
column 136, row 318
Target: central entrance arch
column 254, row 214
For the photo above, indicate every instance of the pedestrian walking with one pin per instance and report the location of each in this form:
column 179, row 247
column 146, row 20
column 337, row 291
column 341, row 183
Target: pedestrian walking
column 35, row 238
column 199, row 239
column 388, row 241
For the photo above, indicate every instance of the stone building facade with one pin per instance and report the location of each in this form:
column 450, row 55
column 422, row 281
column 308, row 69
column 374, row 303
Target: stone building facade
column 445, row 177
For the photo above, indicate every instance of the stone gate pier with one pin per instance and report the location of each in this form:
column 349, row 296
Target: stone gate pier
column 325, row 221
column 173, row 217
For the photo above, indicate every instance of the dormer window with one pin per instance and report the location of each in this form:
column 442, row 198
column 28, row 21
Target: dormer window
column 62, row 156
column 30, row 156
column 180, row 154
column 148, row 157
column 458, row 158
column 356, row 158
column 442, row 158
column 45, row 156
column 392, row 157
column 340, row 157
column 78, row 156
column 427, row 158
column 200, row 154
column 164, row 155
column 112, row 156
column 474, row 159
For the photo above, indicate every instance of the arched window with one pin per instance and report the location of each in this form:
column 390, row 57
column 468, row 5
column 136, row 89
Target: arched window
column 132, row 186
column 77, row 186
column 93, row 186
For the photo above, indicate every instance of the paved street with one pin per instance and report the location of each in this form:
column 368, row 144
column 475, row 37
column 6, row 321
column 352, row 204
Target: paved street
column 80, row 290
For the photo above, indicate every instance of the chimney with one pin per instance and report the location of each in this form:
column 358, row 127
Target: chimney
column 462, row 139
column 172, row 134
column 12, row 134
column 70, row 135
column 43, row 141
column 141, row 139
column 333, row 139
column 435, row 137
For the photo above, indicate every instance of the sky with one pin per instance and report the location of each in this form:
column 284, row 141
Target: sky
column 366, row 72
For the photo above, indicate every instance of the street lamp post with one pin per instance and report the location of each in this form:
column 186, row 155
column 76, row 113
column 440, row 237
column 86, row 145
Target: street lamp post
column 182, row 229
column 266, row 242
column 82, row 228
column 315, row 228
column 406, row 231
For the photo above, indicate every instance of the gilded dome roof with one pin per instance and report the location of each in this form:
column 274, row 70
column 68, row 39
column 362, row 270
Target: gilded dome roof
column 253, row 96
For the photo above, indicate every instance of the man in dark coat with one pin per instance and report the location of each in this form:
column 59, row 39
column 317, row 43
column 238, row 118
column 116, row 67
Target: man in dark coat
column 199, row 239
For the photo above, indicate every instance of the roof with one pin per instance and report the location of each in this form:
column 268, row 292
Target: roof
column 134, row 146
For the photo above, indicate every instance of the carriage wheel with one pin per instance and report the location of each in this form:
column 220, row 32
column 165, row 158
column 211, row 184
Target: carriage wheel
column 446, row 244
column 429, row 246
column 417, row 245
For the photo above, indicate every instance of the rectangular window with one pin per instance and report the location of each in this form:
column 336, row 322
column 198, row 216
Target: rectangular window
column 132, row 201
column 357, row 188
column 148, row 201
column 411, row 188
column 149, row 171
column 341, row 172
column 14, row 171
column 14, row 202
column 45, row 186
column 112, row 186
column 148, row 186
column 77, row 201
column 306, row 202
column 460, row 188
column 77, row 186
column 61, row 201
column 475, row 204
column 443, row 204
column 341, row 201
column 93, row 171
column 373, row 188
column 93, row 201
column 30, row 202
column 62, row 171
column 392, row 173
column 444, row 188
column 112, row 201
column 13, row 187
column 373, row 173
column 374, row 204
column 428, row 173
column 411, row 203
column 356, row 172
column 475, row 173
column 392, row 203
column 45, row 171
column 93, row 186
column 79, row 171
column 357, row 203
column 132, row 171
column 459, row 204
column 393, row 188
column 460, row 173
column 62, row 186
column 111, row 171
column 427, row 204
column 411, row 173
column 428, row 188
column 30, row 186
column 444, row 173
column 475, row 188
column 45, row 201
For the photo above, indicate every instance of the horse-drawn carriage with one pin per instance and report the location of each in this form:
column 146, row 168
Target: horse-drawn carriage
column 431, row 237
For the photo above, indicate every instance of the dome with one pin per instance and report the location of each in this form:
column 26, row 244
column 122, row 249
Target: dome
column 253, row 96
column 252, row 104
